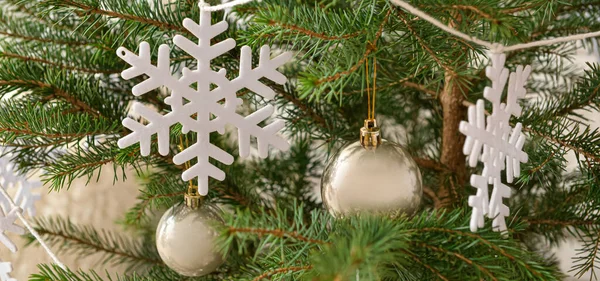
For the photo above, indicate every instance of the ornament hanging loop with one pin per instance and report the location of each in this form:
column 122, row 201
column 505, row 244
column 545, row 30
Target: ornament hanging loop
column 192, row 197
column 370, row 138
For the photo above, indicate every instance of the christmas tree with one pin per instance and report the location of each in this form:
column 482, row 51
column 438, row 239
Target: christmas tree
column 64, row 101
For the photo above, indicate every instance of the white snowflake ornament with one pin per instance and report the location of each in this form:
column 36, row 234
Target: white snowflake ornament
column 5, row 270
column 193, row 107
column 494, row 142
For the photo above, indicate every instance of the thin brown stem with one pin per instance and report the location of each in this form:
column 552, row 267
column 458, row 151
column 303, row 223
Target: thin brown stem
column 277, row 233
column 79, row 104
column 61, row 66
column 310, row 33
column 539, row 167
column 460, row 257
column 419, row 261
column 564, row 223
column 84, row 166
column 44, row 40
column 269, row 274
column 476, row 11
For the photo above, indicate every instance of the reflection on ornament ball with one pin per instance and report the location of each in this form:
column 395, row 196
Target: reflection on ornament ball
column 185, row 239
column 385, row 180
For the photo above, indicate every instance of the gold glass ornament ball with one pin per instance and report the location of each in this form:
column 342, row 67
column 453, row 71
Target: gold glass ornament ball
column 185, row 239
column 382, row 180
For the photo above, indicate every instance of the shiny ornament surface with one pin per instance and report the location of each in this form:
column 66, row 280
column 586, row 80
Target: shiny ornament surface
column 185, row 239
column 384, row 181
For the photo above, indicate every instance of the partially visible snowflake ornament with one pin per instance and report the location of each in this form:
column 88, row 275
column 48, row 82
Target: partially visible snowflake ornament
column 7, row 224
column 193, row 102
column 495, row 143
column 10, row 178
column 5, row 270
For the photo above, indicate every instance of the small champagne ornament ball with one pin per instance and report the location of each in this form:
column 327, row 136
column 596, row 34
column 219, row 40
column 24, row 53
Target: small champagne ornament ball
column 185, row 239
column 373, row 176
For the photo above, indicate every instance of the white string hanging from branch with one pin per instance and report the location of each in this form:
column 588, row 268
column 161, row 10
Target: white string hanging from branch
column 206, row 7
column 494, row 47
column 16, row 210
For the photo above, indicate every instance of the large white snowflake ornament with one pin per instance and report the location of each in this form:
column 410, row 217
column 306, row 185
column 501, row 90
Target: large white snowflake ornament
column 5, row 270
column 492, row 141
column 193, row 107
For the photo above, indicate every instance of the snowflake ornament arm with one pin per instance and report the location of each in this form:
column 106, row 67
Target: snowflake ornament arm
column 5, row 270
column 492, row 141
column 194, row 107
column 7, row 223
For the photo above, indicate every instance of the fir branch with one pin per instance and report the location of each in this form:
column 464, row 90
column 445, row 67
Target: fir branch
column 564, row 143
column 58, row 65
column 446, row 68
column 310, row 33
column 72, row 238
column 460, row 257
column 53, row 272
column 419, row 261
column 80, row 105
column 297, row 102
column 113, row 14
column 43, row 40
column 371, row 47
column 484, row 241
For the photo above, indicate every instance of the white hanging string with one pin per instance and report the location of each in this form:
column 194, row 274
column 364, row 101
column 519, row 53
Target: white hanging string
column 31, row 229
column 206, row 7
column 494, row 47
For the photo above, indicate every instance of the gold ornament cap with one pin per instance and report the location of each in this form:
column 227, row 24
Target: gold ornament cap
column 370, row 138
column 193, row 198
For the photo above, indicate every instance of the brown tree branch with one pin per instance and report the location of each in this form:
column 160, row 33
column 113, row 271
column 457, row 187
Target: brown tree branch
column 431, row 194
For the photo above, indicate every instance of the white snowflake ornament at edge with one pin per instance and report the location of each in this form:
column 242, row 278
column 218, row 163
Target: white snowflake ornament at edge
column 5, row 269
column 494, row 142
column 11, row 178
column 203, row 102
